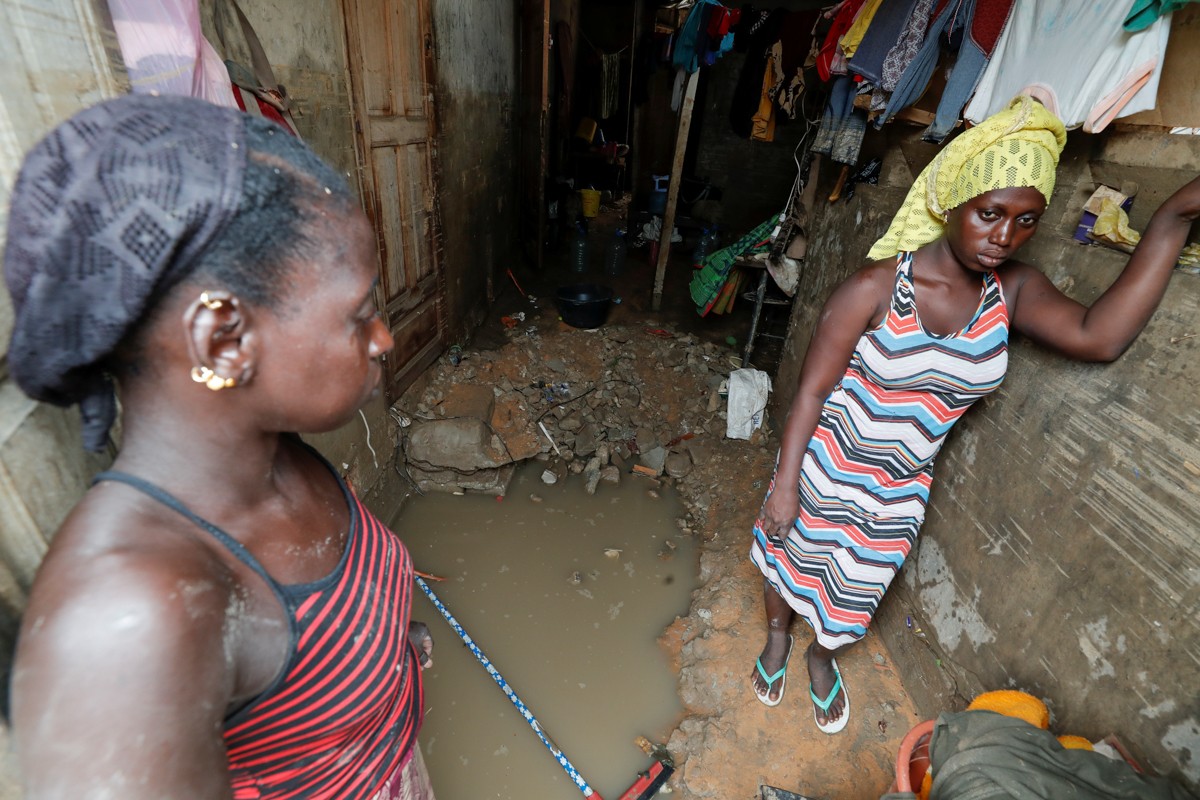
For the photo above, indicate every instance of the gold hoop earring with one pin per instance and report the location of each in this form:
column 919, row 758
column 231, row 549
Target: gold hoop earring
column 211, row 379
column 209, row 303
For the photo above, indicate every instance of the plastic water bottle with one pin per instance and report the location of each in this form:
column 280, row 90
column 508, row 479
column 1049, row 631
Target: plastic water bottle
column 579, row 250
column 702, row 247
column 614, row 256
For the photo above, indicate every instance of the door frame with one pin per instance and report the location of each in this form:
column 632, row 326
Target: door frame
column 398, row 377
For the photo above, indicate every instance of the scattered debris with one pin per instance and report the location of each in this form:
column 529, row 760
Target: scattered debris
column 575, row 578
column 549, row 438
column 612, row 552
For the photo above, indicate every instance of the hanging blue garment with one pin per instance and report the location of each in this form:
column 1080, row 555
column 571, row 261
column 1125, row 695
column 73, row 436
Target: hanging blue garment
column 986, row 20
column 688, row 53
column 916, row 77
column 886, row 26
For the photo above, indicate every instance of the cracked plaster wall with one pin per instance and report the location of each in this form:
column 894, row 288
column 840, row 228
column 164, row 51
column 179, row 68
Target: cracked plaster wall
column 1061, row 550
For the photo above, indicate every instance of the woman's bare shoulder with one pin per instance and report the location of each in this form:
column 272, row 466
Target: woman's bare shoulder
column 117, row 551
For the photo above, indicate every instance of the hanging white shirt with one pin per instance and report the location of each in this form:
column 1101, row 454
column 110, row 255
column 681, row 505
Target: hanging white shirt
column 1075, row 56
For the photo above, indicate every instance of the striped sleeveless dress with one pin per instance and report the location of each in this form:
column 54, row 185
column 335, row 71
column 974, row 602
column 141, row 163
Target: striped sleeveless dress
column 865, row 478
column 340, row 721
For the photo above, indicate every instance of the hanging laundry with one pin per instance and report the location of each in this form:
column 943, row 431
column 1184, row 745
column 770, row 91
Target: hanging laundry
column 953, row 25
column 1106, row 72
column 858, row 29
column 763, row 122
column 759, row 33
column 902, row 54
column 987, row 20
column 831, row 51
column 1143, row 12
column 795, row 46
column 881, row 38
column 842, row 126
column 696, row 46
column 720, row 35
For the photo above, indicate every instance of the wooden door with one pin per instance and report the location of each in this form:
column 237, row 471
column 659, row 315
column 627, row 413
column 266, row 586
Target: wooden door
column 390, row 50
column 534, row 127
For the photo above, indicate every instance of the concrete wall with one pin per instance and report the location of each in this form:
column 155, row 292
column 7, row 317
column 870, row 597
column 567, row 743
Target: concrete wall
column 474, row 98
column 1061, row 551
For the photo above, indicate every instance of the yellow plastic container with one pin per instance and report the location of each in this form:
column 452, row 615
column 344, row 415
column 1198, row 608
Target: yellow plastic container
column 591, row 201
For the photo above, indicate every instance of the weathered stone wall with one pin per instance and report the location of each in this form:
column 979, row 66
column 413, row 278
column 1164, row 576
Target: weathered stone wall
column 476, row 68
column 1061, row 551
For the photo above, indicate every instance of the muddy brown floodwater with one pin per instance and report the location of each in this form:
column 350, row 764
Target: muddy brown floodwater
column 570, row 624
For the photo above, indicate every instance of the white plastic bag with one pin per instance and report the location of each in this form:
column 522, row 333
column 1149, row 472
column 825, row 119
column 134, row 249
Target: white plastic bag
column 748, row 391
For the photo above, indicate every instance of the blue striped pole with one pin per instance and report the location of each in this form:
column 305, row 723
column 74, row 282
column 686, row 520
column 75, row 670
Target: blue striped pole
column 562, row 760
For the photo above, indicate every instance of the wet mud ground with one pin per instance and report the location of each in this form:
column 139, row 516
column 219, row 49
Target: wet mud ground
column 727, row 744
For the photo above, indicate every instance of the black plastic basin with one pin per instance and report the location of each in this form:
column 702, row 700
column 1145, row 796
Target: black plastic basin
column 584, row 305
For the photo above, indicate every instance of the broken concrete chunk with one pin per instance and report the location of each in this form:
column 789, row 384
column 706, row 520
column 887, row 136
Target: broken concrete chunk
column 549, row 478
column 571, row 423
column 610, row 474
column 585, row 440
column 465, row 444
column 655, row 458
column 678, row 465
column 591, row 475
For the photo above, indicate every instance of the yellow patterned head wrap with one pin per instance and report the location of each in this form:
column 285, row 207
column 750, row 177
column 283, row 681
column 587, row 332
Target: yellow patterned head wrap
column 1018, row 146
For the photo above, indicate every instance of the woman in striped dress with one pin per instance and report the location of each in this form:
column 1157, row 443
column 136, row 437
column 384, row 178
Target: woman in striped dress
column 899, row 352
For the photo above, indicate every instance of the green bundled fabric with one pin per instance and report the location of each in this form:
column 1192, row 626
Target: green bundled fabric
column 714, row 270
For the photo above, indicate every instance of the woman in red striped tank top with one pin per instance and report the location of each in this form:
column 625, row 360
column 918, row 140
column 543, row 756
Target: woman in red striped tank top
column 219, row 617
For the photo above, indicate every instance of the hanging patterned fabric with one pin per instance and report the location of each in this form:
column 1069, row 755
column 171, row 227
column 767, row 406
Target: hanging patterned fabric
column 881, row 38
column 947, row 19
column 902, row 53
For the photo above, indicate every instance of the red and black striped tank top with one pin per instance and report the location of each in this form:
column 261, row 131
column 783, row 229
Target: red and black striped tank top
column 343, row 713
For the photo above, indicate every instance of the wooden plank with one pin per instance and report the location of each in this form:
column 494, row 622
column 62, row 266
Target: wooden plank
column 534, row 130
column 681, row 140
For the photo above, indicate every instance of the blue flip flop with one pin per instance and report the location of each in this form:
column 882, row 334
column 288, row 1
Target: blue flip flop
column 837, row 725
column 781, row 676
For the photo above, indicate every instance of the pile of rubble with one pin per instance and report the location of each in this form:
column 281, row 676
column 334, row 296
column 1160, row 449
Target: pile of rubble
column 617, row 403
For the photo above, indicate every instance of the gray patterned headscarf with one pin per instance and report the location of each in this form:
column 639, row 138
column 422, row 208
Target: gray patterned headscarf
column 109, row 211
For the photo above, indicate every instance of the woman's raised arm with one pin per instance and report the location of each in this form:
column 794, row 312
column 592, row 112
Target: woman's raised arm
column 1104, row 331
